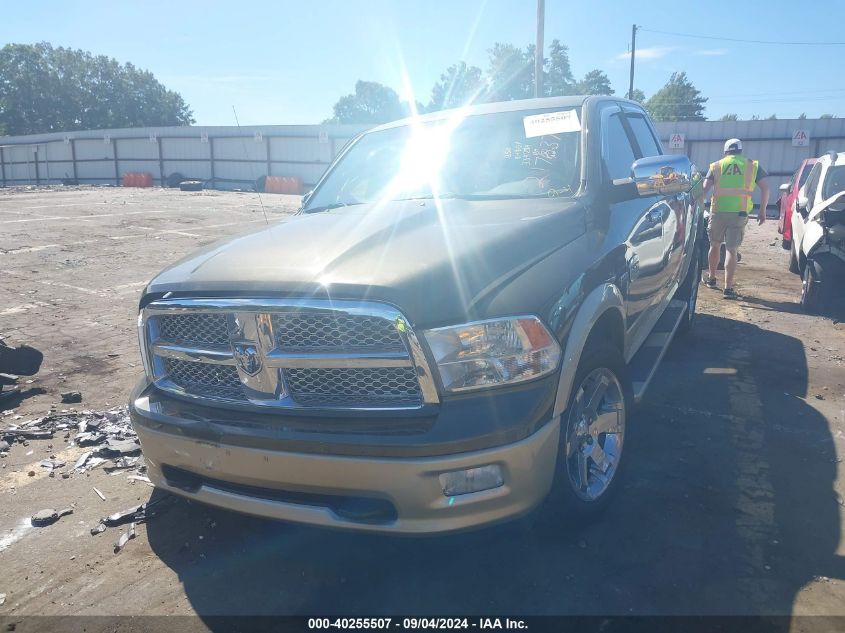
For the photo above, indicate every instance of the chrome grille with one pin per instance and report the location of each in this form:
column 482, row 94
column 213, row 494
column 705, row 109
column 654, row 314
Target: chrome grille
column 324, row 332
column 286, row 353
column 364, row 386
column 205, row 379
column 202, row 329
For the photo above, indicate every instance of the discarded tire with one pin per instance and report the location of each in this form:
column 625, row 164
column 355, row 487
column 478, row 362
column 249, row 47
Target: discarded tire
column 191, row 185
column 175, row 179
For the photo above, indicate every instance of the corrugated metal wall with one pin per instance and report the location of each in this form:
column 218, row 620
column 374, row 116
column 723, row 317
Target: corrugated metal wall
column 770, row 142
column 233, row 157
column 228, row 157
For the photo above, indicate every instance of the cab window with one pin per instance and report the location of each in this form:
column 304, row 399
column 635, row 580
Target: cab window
column 642, row 133
column 617, row 153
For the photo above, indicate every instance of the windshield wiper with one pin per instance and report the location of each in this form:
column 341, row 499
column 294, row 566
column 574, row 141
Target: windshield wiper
column 329, row 207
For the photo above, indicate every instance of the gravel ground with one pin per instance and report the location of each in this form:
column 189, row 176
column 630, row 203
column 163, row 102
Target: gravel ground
column 733, row 505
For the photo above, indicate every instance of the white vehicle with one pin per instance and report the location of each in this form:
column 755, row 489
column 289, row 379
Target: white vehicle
column 818, row 230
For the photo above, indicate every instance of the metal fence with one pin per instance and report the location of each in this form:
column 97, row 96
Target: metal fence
column 780, row 145
column 234, row 157
column 225, row 157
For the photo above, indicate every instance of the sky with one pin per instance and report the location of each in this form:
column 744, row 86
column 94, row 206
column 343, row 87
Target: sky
column 287, row 62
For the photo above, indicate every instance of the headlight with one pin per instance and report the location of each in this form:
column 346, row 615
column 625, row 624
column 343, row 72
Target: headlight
column 493, row 353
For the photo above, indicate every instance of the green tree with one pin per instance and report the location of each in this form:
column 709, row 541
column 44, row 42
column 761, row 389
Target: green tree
column 458, row 86
column 802, row 116
column 730, row 117
column 828, row 116
column 510, row 74
column 372, row 102
column 678, row 100
column 772, row 117
column 594, row 82
column 557, row 76
column 638, row 96
column 46, row 89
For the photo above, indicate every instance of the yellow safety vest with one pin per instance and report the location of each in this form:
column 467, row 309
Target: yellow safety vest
column 735, row 177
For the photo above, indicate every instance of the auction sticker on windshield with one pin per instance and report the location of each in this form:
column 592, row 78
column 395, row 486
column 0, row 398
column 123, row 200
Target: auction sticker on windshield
column 551, row 123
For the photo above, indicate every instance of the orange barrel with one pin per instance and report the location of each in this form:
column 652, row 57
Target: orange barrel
column 273, row 184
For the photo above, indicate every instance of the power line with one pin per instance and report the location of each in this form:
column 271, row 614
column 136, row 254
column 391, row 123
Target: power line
column 743, row 41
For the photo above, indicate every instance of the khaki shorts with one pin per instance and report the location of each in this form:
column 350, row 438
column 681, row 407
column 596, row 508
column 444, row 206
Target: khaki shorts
column 728, row 228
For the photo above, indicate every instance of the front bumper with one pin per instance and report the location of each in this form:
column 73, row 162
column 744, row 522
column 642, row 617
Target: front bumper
column 386, row 494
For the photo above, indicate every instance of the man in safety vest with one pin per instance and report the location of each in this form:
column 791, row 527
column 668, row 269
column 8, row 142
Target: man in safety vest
column 732, row 180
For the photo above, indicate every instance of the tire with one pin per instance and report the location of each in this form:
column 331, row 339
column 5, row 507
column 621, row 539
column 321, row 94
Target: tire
column 191, row 185
column 793, row 261
column 811, row 291
column 175, row 179
column 581, row 490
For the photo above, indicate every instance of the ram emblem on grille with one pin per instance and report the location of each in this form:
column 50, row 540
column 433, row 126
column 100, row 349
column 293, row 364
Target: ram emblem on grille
column 247, row 358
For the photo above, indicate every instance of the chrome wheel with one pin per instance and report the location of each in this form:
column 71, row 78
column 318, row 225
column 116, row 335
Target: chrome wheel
column 595, row 434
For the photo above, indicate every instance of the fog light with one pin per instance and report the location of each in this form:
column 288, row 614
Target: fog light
column 461, row 482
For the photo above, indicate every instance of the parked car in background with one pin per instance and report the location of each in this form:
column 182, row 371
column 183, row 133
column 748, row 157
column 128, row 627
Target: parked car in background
column 786, row 200
column 817, row 252
column 457, row 322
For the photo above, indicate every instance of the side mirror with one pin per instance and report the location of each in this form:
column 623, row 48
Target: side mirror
column 663, row 175
column 802, row 203
column 784, row 187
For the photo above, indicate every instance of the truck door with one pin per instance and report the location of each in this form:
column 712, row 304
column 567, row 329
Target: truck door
column 638, row 224
column 676, row 210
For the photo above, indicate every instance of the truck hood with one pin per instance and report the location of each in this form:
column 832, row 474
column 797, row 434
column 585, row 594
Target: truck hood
column 437, row 261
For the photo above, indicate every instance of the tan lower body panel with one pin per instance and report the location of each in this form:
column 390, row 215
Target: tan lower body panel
column 411, row 485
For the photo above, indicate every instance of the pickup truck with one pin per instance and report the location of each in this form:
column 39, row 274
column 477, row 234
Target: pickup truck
column 451, row 332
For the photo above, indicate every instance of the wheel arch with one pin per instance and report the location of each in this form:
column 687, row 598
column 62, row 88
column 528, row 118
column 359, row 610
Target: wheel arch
column 602, row 313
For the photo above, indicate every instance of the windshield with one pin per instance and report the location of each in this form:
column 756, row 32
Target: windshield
column 834, row 182
column 481, row 156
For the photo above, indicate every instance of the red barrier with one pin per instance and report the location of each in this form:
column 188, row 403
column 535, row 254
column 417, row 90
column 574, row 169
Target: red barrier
column 137, row 179
column 283, row 184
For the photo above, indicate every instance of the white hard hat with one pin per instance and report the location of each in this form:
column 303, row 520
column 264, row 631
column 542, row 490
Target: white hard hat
column 733, row 145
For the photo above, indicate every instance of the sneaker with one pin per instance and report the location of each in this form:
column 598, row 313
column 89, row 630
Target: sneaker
column 729, row 293
column 710, row 282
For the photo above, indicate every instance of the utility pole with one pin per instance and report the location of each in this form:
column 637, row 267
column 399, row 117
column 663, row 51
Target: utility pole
column 633, row 52
column 538, row 51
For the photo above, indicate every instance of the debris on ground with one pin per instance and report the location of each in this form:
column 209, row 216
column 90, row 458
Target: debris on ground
column 134, row 515
column 49, row 516
column 2, row 599
column 100, row 494
column 126, row 516
column 80, row 463
column 133, row 478
column 52, row 463
column 71, row 397
column 109, row 435
column 119, row 447
column 125, row 538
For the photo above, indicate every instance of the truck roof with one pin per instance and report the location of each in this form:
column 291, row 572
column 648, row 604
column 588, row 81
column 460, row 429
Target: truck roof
column 496, row 107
